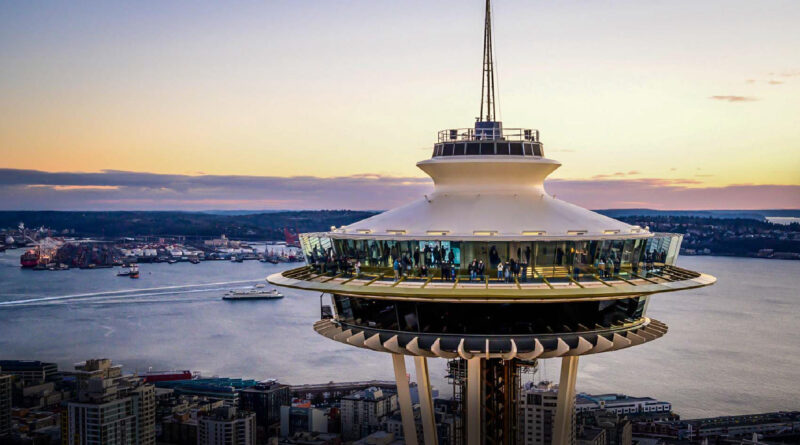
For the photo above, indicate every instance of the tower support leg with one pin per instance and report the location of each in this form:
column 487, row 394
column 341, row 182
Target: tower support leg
column 562, row 427
column 404, row 398
column 426, row 401
column 473, row 419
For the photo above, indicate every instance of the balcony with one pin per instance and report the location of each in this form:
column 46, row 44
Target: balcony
column 539, row 285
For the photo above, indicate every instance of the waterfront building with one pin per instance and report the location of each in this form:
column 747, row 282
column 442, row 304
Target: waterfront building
column 490, row 271
column 537, row 412
column 766, row 425
column 364, row 412
column 303, row 419
column 226, row 426
column 621, row 404
column 5, row 404
column 265, row 400
column 333, row 391
column 31, row 372
column 110, row 409
column 216, row 388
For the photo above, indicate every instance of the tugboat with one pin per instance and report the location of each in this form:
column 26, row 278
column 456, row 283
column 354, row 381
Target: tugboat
column 258, row 292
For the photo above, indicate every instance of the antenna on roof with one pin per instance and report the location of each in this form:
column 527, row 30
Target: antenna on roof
column 487, row 83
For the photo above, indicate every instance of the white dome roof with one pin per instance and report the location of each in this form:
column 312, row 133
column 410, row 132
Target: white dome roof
column 490, row 197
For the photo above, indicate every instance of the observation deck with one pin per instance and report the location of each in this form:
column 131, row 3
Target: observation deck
column 543, row 286
column 488, row 139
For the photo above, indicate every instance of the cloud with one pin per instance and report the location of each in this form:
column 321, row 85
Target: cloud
column 674, row 194
column 121, row 190
column 734, row 98
column 616, row 175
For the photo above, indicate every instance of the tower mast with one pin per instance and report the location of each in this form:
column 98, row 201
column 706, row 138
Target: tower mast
column 487, row 82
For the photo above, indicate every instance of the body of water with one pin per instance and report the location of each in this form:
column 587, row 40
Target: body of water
column 732, row 348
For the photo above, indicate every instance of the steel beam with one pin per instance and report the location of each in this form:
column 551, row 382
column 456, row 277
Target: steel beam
column 473, row 418
column 426, row 401
column 404, row 397
column 565, row 404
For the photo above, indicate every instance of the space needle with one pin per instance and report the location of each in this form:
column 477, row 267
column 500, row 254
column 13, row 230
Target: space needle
column 491, row 273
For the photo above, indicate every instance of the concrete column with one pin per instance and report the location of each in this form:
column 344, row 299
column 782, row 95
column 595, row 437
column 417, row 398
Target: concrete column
column 473, row 417
column 404, row 398
column 562, row 427
column 426, row 401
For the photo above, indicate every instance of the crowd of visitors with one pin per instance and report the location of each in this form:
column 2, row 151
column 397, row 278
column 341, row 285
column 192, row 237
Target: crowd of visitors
column 446, row 264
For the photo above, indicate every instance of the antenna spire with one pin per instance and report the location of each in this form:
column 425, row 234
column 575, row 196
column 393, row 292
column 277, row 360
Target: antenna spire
column 487, row 83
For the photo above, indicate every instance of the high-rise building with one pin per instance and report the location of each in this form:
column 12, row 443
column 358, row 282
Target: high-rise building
column 110, row 409
column 265, row 400
column 30, row 372
column 226, row 426
column 491, row 270
column 5, row 404
column 364, row 412
column 537, row 413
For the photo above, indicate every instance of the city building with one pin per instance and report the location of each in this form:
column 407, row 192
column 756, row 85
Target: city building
column 176, row 414
column 265, row 400
column 30, row 372
column 110, row 408
column 226, row 426
column 588, row 435
column 303, row 418
column 333, row 391
column 364, row 412
column 621, row 404
column 618, row 428
column 537, row 412
column 767, row 425
column 491, row 271
column 217, row 388
column 311, row 439
column 5, row 404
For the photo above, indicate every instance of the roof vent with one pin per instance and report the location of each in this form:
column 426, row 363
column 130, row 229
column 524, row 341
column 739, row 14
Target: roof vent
column 396, row 231
column 485, row 232
column 534, row 232
column 364, row 231
column 576, row 232
column 610, row 232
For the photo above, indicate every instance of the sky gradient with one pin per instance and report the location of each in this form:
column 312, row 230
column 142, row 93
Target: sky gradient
column 670, row 105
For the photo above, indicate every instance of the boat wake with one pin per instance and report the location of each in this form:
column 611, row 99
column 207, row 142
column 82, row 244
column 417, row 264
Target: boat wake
column 129, row 293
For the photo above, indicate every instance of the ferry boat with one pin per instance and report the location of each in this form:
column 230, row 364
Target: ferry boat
column 132, row 272
column 258, row 292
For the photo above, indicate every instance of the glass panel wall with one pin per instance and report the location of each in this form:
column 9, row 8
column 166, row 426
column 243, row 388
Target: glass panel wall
column 485, row 318
column 526, row 259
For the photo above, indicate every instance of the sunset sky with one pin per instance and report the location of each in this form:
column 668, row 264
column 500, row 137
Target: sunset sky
column 310, row 104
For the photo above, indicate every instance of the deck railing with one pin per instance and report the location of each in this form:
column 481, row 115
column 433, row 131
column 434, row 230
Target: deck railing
column 505, row 134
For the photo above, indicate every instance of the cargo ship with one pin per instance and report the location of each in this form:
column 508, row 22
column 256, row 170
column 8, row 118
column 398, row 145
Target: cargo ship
column 166, row 376
column 29, row 259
